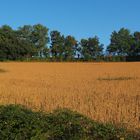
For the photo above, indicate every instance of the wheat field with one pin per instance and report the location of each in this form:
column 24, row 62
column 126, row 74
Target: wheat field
column 106, row 92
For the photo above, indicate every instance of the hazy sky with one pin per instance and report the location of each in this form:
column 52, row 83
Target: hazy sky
column 80, row 18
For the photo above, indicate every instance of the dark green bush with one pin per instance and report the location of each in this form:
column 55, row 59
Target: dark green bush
column 19, row 123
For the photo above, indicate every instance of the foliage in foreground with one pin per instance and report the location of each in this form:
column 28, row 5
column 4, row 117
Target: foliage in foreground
column 19, row 123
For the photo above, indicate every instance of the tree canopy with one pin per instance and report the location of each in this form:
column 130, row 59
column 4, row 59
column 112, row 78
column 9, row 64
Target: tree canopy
column 91, row 48
column 31, row 41
column 124, row 43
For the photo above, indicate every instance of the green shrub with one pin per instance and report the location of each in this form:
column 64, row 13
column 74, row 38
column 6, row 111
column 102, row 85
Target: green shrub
column 19, row 123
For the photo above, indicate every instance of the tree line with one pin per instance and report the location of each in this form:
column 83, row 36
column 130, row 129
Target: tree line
column 37, row 42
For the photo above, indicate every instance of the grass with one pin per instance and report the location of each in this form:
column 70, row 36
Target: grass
column 48, row 86
column 20, row 123
column 2, row 71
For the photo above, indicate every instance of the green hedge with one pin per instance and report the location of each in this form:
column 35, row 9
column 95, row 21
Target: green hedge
column 19, row 123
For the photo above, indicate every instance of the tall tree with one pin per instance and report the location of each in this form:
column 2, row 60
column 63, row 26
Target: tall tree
column 121, row 42
column 57, row 45
column 40, row 36
column 136, row 46
column 25, row 33
column 37, row 35
column 91, row 48
column 70, row 47
column 12, row 47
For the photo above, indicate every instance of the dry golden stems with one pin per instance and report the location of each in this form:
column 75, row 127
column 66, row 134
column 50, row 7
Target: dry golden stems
column 107, row 92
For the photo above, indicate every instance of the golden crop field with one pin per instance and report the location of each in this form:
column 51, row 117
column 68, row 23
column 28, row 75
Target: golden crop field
column 107, row 92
